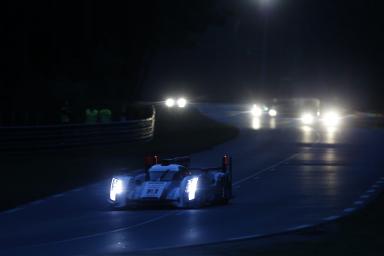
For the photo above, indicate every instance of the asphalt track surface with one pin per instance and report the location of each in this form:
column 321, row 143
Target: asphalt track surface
column 286, row 176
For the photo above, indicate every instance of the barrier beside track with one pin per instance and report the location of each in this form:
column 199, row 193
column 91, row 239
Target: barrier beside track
column 50, row 137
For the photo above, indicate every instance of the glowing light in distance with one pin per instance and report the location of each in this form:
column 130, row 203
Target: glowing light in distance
column 116, row 188
column 331, row 119
column 170, row 102
column 191, row 188
column 307, row 119
column 272, row 112
column 256, row 110
column 181, row 102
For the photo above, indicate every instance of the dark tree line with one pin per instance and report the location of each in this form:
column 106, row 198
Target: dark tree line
column 89, row 51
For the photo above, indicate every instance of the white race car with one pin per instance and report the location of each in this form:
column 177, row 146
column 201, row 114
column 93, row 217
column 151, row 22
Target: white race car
column 173, row 182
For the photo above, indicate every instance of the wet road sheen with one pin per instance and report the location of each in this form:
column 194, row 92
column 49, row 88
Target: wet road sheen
column 285, row 176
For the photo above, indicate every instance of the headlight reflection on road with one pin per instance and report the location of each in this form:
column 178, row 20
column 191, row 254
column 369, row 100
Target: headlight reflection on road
column 331, row 134
column 256, row 123
column 260, row 123
column 308, row 134
column 272, row 123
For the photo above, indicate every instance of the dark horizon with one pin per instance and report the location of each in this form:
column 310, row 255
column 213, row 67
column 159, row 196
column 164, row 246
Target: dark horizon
column 209, row 50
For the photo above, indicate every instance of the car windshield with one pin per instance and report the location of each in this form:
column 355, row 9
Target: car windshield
column 166, row 175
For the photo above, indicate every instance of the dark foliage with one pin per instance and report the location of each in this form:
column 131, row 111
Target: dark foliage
column 88, row 51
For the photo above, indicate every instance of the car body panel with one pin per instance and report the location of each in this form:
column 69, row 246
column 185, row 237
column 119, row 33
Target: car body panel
column 172, row 183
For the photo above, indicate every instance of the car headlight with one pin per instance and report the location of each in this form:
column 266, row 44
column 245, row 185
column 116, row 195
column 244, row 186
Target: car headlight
column 116, row 188
column 272, row 112
column 256, row 110
column 331, row 119
column 181, row 102
column 307, row 118
column 170, row 102
column 191, row 188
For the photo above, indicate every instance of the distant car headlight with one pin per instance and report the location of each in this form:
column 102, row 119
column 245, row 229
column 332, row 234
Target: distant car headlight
column 307, row 118
column 191, row 188
column 256, row 110
column 272, row 112
column 170, row 102
column 116, row 188
column 331, row 119
column 181, row 102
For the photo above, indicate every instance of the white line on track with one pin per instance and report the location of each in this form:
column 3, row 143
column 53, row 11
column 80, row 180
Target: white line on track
column 371, row 191
column 375, row 186
column 109, row 231
column 330, row 218
column 58, row 195
column 12, row 210
column 264, row 170
column 358, row 202
column 349, row 210
column 365, row 196
column 36, row 202
column 299, row 227
column 242, row 237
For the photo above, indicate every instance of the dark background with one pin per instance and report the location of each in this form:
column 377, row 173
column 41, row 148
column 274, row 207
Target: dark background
column 96, row 52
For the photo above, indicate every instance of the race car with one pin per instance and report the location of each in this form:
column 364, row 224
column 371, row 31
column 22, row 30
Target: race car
column 173, row 182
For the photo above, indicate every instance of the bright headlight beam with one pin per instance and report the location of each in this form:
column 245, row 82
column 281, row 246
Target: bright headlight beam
column 272, row 112
column 191, row 188
column 170, row 102
column 256, row 110
column 331, row 119
column 116, row 188
column 181, row 102
column 307, row 119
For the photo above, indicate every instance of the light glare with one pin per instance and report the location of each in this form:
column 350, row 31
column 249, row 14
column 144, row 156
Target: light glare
column 116, row 188
column 181, row 102
column 331, row 119
column 256, row 111
column 272, row 112
column 170, row 102
column 191, row 188
column 307, row 119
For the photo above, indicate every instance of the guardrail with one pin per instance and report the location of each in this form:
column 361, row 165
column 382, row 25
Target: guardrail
column 48, row 137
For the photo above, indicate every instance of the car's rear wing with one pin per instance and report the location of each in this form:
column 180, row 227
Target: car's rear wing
column 181, row 160
column 226, row 166
column 152, row 160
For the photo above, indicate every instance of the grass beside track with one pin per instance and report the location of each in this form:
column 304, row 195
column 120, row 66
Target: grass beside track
column 36, row 175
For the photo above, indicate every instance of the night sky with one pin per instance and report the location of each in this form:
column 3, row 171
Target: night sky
column 208, row 50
